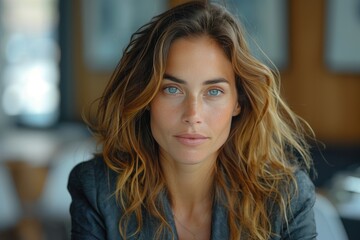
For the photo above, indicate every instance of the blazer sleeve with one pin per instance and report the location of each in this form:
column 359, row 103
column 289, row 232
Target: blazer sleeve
column 86, row 219
column 301, row 224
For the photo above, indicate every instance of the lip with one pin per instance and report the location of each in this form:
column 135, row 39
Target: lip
column 191, row 139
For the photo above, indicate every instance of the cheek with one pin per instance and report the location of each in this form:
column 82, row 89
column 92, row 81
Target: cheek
column 156, row 122
column 161, row 115
column 156, row 114
column 220, row 124
column 220, row 116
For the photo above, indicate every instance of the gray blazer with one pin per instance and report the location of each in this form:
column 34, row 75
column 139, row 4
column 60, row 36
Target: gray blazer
column 95, row 213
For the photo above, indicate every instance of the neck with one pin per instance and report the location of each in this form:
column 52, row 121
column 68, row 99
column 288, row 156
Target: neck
column 191, row 195
column 190, row 186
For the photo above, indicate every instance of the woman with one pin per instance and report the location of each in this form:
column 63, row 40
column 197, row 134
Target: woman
column 196, row 141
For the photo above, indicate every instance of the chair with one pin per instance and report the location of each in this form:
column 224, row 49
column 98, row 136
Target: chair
column 328, row 222
column 55, row 200
column 10, row 209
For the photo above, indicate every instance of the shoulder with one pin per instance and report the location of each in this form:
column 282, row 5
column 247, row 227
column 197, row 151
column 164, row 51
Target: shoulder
column 92, row 178
column 89, row 174
column 90, row 169
column 94, row 210
column 305, row 190
column 299, row 220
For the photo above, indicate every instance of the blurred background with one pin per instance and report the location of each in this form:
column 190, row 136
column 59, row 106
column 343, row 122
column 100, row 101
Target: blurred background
column 57, row 55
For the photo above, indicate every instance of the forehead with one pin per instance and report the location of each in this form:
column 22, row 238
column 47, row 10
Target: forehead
column 200, row 57
column 196, row 44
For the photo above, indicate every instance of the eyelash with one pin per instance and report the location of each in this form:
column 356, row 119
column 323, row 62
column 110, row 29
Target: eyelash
column 176, row 90
column 219, row 92
column 166, row 90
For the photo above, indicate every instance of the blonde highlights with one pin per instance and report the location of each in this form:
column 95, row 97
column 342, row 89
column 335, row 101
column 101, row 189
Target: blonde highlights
column 267, row 141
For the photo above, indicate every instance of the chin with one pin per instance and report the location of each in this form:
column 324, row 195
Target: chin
column 191, row 160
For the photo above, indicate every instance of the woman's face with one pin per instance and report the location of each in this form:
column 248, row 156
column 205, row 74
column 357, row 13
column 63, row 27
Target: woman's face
column 191, row 114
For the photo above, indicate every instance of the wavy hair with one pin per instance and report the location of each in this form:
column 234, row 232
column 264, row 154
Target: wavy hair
column 267, row 141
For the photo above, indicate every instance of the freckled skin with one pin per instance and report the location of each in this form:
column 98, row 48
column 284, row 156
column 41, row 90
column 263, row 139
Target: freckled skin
column 191, row 114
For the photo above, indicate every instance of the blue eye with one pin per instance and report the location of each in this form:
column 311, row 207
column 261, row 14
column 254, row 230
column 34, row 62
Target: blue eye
column 171, row 90
column 214, row 92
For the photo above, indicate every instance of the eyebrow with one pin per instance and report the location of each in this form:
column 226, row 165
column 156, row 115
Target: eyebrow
column 207, row 82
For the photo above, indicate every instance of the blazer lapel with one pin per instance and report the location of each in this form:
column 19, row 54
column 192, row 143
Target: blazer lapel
column 219, row 222
column 150, row 223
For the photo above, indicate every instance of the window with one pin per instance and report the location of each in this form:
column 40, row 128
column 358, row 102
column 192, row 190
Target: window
column 29, row 73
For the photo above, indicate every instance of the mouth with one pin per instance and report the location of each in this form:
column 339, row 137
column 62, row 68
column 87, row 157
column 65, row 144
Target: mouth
column 191, row 139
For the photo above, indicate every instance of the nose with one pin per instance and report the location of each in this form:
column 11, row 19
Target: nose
column 192, row 113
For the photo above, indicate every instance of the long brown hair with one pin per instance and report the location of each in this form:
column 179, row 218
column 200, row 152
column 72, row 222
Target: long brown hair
column 260, row 156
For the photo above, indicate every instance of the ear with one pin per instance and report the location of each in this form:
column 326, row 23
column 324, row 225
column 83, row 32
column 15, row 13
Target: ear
column 237, row 109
